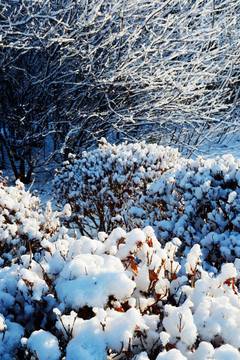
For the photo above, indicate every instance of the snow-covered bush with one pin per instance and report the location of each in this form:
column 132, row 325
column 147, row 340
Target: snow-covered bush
column 126, row 294
column 136, row 185
column 25, row 289
column 23, row 223
column 197, row 201
column 113, row 290
column 105, row 181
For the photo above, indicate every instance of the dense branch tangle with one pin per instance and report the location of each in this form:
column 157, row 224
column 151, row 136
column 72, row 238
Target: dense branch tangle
column 72, row 71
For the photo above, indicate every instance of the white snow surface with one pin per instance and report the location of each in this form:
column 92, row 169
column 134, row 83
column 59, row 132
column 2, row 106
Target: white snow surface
column 45, row 344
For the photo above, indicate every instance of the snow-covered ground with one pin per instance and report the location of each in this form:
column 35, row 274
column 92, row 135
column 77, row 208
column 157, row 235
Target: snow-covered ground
column 229, row 145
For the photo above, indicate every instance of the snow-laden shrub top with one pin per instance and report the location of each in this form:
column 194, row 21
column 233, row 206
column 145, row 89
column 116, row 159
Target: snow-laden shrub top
column 197, row 201
column 104, row 181
column 161, row 302
column 23, row 223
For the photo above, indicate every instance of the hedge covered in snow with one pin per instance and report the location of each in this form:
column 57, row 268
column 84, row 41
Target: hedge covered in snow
column 199, row 202
column 161, row 290
column 104, row 182
column 137, row 185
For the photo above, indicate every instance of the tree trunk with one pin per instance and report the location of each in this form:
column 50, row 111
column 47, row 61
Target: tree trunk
column 10, row 155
